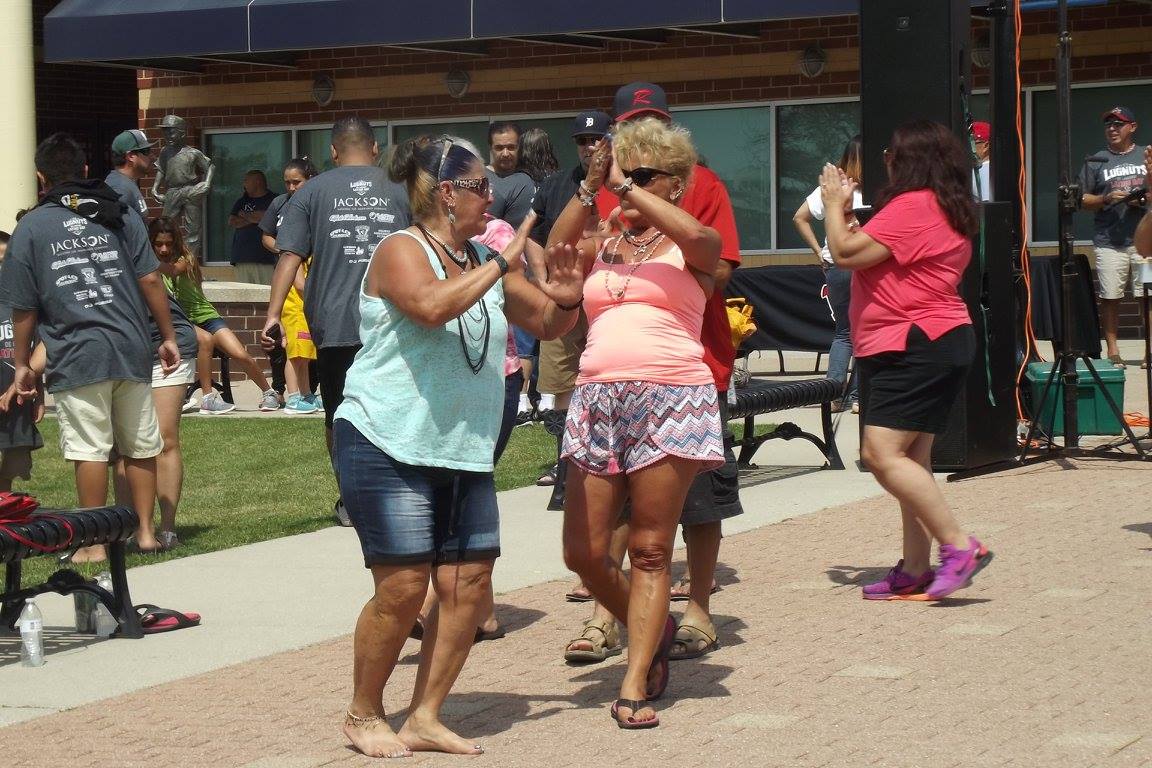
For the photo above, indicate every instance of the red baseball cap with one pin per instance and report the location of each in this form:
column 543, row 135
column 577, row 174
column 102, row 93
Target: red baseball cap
column 637, row 99
column 981, row 131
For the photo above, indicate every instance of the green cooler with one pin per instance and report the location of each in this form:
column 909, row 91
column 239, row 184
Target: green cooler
column 1093, row 415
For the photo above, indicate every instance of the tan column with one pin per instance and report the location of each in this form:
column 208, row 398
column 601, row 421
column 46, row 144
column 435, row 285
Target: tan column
column 18, row 115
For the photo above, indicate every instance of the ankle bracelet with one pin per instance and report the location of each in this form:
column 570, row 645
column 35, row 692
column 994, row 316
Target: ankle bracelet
column 360, row 722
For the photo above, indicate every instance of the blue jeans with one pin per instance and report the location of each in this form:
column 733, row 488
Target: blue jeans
column 406, row 514
column 840, row 353
column 513, row 383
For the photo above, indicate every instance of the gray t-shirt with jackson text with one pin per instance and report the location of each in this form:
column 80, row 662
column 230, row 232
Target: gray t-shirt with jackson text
column 129, row 192
column 339, row 218
column 1115, row 225
column 81, row 279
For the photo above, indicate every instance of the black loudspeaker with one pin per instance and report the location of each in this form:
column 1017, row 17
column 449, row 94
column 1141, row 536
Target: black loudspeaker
column 914, row 62
column 980, row 432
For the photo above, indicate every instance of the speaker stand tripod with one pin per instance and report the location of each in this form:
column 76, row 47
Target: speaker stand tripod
column 1069, row 195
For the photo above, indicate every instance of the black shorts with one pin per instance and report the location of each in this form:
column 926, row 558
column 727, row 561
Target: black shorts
column 915, row 390
column 715, row 495
column 333, row 363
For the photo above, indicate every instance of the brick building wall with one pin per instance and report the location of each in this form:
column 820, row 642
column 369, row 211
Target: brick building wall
column 92, row 103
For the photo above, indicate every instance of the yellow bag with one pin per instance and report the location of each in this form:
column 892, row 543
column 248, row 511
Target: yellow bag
column 740, row 320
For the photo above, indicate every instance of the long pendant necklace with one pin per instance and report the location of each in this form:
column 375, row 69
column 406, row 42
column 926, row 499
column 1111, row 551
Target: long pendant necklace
column 482, row 334
column 644, row 252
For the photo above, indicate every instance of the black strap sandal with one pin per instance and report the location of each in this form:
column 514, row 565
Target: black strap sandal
column 627, row 723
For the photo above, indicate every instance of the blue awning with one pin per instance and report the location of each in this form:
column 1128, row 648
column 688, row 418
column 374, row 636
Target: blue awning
column 141, row 30
column 133, row 30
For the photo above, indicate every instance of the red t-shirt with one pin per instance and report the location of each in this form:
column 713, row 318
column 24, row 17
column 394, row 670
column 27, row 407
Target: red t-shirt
column 706, row 199
column 917, row 286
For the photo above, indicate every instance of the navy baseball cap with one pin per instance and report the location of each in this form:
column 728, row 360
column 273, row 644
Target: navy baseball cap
column 591, row 124
column 1123, row 114
column 641, row 99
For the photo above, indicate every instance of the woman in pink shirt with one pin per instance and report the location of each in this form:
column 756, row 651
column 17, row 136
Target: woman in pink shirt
column 644, row 416
column 913, row 340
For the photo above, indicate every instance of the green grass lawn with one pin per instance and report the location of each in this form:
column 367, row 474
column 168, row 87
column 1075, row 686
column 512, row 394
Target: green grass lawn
column 249, row 480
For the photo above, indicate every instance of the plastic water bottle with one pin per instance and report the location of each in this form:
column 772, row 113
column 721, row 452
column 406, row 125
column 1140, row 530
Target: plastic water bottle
column 85, row 605
column 106, row 623
column 31, row 623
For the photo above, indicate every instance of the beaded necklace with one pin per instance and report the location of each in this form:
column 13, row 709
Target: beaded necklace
column 645, row 252
column 483, row 332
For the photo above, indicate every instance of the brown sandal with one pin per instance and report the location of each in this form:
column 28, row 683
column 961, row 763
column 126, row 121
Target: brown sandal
column 692, row 643
column 604, row 637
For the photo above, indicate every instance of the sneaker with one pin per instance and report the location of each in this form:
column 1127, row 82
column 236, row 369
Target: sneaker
column 957, row 567
column 898, row 585
column 190, row 405
column 269, row 401
column 316, row 400
column 525, row 418
column 549, row 477
column 299, row 404
column 212, row 404
column 341, row 514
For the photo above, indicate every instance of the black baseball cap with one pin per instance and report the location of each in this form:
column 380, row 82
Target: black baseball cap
column 637, row 99
column 591, row 124
column 1123, row 114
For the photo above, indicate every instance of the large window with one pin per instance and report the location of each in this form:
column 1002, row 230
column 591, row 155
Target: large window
column 233, row 155
column 1088, row 105
column 769, row 156
column 736, row 143
column 807, row 136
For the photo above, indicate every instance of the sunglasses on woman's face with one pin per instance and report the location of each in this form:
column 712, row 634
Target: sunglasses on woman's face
column 643, row 176
column 479, row 186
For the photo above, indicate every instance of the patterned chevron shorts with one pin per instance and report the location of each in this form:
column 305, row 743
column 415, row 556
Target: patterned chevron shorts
column 623, row 426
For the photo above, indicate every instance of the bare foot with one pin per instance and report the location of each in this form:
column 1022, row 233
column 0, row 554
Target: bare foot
column 373, row 737
column 95, row 554
column 433, row 736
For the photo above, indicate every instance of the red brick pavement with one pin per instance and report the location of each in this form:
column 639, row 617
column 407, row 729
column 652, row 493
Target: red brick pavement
column 1044, row 662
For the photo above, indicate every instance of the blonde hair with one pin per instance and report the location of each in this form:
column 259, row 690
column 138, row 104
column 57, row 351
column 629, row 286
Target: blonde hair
column 666, row 147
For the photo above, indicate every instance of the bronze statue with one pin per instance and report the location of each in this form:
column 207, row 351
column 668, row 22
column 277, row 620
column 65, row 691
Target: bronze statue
column 185, row 173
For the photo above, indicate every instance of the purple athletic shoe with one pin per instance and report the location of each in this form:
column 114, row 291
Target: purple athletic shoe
column 957, row 567
column 898, row 585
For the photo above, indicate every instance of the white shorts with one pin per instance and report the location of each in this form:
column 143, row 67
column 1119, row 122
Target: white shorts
column 184, row 374
column 97, row 416
column 1117, row 267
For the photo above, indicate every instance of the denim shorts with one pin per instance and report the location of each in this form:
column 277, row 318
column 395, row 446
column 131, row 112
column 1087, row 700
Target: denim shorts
column 526, row 344
column 213, row 324
column 407, row 514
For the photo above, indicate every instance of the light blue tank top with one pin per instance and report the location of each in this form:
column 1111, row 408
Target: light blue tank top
column 410, row 391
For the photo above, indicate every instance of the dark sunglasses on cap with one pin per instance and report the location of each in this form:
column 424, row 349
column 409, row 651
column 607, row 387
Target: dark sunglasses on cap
column 479, row 186
column 643, row 176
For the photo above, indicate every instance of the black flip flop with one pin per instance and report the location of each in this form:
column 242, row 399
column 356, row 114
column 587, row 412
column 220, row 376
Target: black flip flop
column 155, row 620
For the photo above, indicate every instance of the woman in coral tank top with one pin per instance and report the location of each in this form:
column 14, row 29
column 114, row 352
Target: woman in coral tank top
column 913, row 341
column 644, row 417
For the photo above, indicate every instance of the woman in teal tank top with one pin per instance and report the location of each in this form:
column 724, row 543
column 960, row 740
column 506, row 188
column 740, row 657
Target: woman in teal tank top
column 414, row 437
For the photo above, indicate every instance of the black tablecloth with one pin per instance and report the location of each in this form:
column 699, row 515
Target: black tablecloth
column 790, row 308
column 1046, row 317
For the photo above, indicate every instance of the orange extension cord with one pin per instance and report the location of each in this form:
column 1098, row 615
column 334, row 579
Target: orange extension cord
column 1030, row 345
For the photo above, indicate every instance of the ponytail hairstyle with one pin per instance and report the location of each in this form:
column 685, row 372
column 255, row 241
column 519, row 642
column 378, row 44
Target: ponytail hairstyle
column 852, row 160
column 423, row 162
column 537, row 158
column 926, row 155
column 166, row 225
column 303, row 165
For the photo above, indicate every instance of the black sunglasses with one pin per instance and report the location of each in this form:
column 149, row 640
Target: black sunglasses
column 643, row 176
column 584, row 141
column 479, row 186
